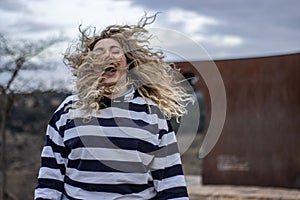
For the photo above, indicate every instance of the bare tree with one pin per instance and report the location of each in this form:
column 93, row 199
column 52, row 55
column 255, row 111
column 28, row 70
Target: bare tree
column 15, row 57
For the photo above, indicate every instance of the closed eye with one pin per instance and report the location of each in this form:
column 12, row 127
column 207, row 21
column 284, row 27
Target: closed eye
column 115, row 50
column 99, row 51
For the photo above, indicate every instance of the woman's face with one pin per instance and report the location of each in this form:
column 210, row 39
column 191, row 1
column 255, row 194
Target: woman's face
column 110, row 50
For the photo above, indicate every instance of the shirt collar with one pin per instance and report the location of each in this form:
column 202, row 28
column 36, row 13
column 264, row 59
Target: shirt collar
column 127, row 96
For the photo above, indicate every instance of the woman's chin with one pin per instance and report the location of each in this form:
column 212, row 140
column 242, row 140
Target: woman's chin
column 109, row 83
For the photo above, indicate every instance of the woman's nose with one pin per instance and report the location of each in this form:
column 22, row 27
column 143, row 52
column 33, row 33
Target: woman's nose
column 107, row 55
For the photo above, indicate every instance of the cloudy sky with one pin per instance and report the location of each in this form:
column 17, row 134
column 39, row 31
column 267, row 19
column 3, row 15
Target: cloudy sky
column 186, row 28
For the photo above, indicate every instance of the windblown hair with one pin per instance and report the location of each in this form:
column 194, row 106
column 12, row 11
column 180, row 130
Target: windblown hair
column 148, row 73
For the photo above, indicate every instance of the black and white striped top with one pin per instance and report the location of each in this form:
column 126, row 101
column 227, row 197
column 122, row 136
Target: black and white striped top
column 125, row 151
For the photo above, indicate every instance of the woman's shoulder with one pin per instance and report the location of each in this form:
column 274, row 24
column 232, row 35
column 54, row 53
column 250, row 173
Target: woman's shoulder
column 137, row 98
column 67, row 101
column 144, row 104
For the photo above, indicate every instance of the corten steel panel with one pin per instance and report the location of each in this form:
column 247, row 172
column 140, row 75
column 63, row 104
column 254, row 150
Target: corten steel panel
column 260, row 141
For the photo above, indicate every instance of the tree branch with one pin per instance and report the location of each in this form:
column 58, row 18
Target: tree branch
column 19, row 63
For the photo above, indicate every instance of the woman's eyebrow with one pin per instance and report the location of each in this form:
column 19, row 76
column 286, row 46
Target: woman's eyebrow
column 99, row 48
column 112, row 47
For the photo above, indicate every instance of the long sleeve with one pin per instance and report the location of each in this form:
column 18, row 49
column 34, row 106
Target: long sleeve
column 53, row 161
column 168, row 178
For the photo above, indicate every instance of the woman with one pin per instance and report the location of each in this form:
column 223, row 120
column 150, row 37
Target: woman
column 113, row 139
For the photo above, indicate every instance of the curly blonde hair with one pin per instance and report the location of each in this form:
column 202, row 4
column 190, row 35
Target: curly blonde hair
column 148, row 73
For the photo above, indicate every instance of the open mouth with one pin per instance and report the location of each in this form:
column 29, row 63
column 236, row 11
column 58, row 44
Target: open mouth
column 110, row 69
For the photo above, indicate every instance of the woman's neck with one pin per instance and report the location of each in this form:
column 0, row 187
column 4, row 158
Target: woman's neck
column 117, row 92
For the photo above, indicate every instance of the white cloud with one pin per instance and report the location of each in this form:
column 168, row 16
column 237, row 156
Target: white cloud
column 197, row 27
column 177, row 45
column 192, row 21
column 225, row 40
column 232, row 40
column 65, row 16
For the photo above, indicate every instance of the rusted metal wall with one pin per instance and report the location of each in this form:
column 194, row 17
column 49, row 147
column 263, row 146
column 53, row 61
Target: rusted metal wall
column 260, row 141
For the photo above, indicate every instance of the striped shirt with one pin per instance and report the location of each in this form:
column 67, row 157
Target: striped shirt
column 127, row 150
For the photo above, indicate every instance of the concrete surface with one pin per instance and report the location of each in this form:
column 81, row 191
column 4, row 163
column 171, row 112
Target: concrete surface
column 197, row 191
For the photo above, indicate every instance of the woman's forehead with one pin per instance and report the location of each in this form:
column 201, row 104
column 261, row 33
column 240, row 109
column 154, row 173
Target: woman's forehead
column 107, row 43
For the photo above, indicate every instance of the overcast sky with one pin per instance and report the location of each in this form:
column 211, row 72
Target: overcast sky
column 186, row 28
column 225, row 28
